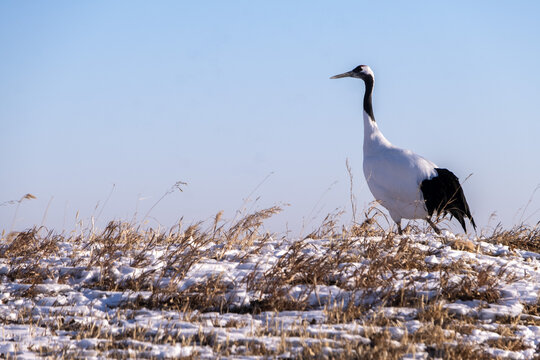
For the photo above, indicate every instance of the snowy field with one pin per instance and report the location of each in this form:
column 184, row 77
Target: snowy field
column 234, row 291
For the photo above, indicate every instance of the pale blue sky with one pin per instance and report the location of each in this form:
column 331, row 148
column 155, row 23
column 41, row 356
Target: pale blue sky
column 220, row 94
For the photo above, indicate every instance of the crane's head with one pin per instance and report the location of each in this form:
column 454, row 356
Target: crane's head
column 360, row 72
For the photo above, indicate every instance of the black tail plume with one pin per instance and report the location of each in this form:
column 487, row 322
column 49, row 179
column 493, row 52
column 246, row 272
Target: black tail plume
column 443, row 194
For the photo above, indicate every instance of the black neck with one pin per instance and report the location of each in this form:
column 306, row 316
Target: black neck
column 368, row 107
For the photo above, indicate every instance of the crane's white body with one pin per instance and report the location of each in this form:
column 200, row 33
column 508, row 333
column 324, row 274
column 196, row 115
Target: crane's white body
column 394, row 175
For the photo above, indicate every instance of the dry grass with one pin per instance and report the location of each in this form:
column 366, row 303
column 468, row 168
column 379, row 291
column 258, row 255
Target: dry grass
column 523, row 237
column 362, row 260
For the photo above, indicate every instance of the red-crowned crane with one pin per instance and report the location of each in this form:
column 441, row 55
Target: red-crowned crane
column 406, row 184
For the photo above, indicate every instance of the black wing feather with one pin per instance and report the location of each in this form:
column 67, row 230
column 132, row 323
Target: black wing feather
column 443, row 194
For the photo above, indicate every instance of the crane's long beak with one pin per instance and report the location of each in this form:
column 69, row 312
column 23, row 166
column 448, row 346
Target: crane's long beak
column 347, row 74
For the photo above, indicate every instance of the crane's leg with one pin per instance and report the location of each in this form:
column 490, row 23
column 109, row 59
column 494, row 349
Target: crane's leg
column 399, row 231
column 432, row 224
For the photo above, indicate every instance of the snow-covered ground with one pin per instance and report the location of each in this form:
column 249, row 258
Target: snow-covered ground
column 244, row 295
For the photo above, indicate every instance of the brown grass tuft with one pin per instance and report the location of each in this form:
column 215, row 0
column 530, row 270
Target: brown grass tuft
column 519, row 237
